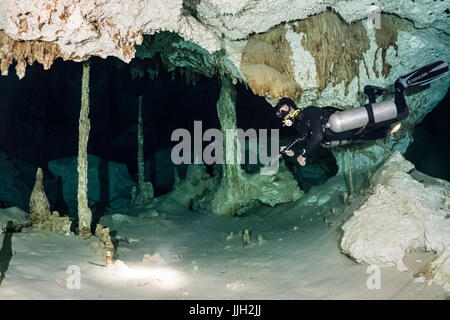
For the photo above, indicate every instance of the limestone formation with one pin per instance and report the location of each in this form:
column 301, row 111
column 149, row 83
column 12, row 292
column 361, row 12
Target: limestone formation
column 82, row 28
column 41, row 216
column 84, row 213
column 335, row 50
column 266, row 62
column 26, row 53
column 401, row 215
column 58, row 224
column 143, row 193
column 106, row 245
column 246, row 238
column 39, row 205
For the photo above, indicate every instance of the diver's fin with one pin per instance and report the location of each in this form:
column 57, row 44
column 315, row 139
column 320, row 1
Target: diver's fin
column 425, row 75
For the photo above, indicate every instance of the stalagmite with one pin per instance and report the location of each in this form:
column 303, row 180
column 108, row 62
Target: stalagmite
column 41, row 216
column 39, row 205
column 84, row 213
column 246, row 238
column 106, row 245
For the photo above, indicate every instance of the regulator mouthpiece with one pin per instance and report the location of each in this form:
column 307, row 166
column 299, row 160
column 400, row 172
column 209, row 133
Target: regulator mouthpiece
column 287, row 123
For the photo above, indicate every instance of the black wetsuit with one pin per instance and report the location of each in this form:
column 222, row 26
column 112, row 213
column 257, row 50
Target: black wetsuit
column 310, row 123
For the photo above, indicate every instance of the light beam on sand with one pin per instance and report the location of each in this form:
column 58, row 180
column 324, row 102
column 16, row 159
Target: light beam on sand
column 161, row 277
column 166, row 277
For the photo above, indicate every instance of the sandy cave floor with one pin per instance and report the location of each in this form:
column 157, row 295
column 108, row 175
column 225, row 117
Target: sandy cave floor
column 299, row 258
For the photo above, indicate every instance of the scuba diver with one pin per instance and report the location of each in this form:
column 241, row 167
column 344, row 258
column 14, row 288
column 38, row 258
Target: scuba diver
column 330, row 126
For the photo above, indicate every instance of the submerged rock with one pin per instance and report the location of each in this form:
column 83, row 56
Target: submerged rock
column 109, row 183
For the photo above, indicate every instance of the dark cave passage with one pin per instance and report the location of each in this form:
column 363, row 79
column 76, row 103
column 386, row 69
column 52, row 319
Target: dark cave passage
column 41, row 111
column 430, row 151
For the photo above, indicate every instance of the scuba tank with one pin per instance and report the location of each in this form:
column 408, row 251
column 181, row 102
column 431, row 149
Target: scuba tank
column 385, row 111
column 360, row 117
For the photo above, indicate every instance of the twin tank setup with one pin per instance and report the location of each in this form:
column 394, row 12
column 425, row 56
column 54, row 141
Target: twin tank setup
column 386, row 111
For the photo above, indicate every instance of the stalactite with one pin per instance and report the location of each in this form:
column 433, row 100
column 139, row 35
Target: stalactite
column 84, row 213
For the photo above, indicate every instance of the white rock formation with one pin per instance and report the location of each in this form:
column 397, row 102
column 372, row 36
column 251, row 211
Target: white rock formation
column 104, row 28
column 401, row 215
